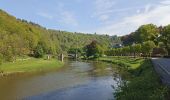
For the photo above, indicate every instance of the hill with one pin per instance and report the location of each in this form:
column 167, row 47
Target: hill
column 19, row 38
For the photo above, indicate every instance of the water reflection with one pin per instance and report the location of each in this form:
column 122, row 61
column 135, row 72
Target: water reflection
column 76, row 81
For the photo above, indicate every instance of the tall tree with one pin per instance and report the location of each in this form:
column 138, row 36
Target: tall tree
column 147, row 32
column 147, row 47
column 165, row 37
column 93, row 49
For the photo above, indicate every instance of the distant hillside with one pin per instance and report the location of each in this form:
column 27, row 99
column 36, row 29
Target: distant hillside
column 20, row 37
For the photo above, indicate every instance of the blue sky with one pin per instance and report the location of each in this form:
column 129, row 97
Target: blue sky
column 113, row 17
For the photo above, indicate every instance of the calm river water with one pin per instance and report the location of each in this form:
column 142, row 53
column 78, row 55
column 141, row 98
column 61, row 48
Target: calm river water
column 77, row 80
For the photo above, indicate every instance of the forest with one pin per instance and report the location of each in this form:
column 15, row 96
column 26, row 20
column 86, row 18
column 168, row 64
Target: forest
column 20, row 38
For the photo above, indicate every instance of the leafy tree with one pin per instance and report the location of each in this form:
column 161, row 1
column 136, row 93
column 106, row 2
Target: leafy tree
column 147, row 32
column 93, row 49
column 128, row 39
column 165, row 37
column 38, row 51
column 136, row 49
column 147, row 47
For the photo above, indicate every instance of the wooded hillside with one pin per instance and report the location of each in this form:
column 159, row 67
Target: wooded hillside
column 20, row 37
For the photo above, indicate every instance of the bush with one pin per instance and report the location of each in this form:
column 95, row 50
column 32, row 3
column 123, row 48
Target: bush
column 144, row 85
column 1, row 57
column 38, row 52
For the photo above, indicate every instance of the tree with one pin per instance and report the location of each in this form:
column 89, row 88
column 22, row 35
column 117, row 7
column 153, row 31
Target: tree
column 165, row 37
column 128, row 39
column 125, row 50
column 147, row 47
column 136, row 49
column 147, row 32
column 93, row 49
column 38, row 51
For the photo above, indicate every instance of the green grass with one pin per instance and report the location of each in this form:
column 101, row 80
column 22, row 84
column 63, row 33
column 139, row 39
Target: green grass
column 143, row 84
column 131, row 63
column 30, row 65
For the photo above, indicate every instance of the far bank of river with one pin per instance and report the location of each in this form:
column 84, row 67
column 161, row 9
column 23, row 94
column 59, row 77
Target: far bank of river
column 31, row 65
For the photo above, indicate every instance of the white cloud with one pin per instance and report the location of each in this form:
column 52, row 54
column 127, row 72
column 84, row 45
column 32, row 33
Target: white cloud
column 45, row 15
column 104, row 17
column 159, row 15
column 147, row 8
column 102, row 9
column 104, row 5
column 68, row 18
column 166, row 2
column 60, row 15
column 64, row 16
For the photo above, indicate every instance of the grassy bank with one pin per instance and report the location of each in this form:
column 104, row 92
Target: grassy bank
column 30, row 65
column 143, row 84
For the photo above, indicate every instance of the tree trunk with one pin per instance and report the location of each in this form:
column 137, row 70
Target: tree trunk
column 168, row 52
column 134, row 54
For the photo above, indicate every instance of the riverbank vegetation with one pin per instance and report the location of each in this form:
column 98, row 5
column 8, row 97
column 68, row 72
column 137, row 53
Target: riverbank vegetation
column 20, row 38
column 29, row 65
column 142, row 82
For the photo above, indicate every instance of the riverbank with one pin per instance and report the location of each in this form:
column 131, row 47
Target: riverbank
column 29, row 65
column 143, row 84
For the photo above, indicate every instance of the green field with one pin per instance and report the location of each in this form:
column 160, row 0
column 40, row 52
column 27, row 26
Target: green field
column 30, row 65
column 143, row 82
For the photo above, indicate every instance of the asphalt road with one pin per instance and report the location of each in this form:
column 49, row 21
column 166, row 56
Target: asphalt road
column 162, row 67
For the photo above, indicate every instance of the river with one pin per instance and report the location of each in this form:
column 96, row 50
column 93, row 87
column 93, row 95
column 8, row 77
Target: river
column 77, row 80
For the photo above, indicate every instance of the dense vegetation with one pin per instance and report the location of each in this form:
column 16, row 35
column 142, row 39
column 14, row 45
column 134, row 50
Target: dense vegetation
column 93, row 50
column 19, row 38
column 140, row 81
column 147, row 40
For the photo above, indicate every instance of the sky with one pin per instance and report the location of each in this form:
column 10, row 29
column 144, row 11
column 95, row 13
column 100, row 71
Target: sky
column 112, row 17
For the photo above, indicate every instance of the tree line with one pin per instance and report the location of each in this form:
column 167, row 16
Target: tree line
column 147, row 40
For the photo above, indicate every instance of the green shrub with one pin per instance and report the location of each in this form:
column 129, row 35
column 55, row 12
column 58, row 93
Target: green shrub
column 1, row 58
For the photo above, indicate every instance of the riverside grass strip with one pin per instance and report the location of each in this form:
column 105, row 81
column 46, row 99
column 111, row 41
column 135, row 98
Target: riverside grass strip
column 143, row 84
column 30, row 65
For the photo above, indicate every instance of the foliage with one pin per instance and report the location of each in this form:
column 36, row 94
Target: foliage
column 93, row 49
column 75, row 50
column 147, row 32
column 19, row 37
column 38, row 51
column 150, row 32
column 165, row 37
column 143, row 86
column 143, row 82
column 147, row 47
column 1, row 58
column 128, row 39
